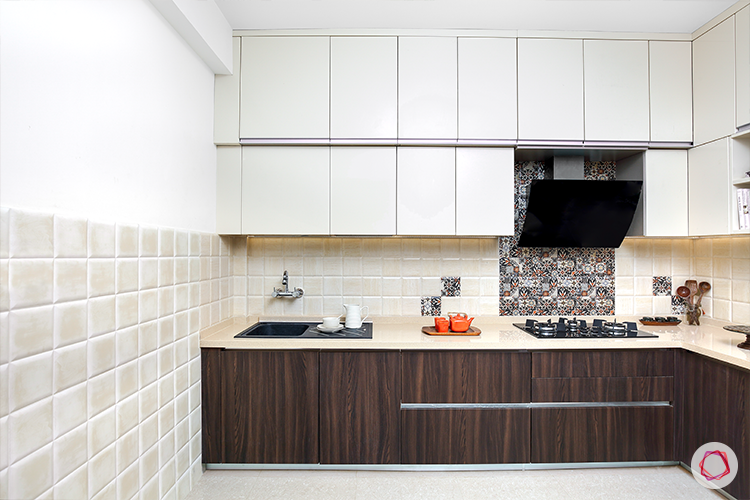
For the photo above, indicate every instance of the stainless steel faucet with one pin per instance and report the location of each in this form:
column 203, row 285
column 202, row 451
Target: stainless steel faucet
column 285, row 292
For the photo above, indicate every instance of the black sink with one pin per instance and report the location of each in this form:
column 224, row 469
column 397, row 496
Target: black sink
column 298, row 330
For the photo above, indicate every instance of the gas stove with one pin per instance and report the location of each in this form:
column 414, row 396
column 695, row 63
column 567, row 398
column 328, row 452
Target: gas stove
column 565, row 328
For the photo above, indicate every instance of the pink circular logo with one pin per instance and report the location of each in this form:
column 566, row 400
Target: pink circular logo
column 714, row 465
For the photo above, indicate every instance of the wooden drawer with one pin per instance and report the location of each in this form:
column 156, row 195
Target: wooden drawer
column 464, row 436
column 604, row 389
column 621, row 363
column 465, row 377
column 602, row 434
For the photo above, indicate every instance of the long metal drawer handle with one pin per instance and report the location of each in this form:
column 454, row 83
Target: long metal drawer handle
column 491, row 406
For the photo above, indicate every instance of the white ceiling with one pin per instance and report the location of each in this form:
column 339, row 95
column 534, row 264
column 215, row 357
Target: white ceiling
column 651, row 16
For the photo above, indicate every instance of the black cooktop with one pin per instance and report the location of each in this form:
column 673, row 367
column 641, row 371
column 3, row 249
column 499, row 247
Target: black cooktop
column 565, row 328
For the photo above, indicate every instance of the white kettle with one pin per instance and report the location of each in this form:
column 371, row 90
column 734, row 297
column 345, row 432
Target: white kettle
column 354, row 317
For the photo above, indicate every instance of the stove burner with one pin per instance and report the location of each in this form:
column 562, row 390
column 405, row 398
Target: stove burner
column 575, row 328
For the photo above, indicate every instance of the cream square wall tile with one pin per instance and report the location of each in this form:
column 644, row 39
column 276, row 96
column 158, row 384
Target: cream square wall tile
column 126, row 240
column 31, row 234
column 101, row 354
column 70, row 280
column 29, row 429
column 148, row 241
column 30, row 282
column 127, row 417
column 101, row 277
column 31, row 476
column 127, row 482
column 70, row 365
column 30, row 331
column 70, row 452
column 4, row 287
column 101, row 239
column 181, row 243
column 126, row 377
column 127, row 345
column 74, row 485
column 101, row 315
column 100, row 393
column 166, row 271
column 741, row 247
column 148, row 305
column 70, row 323
column 102, row 469
column 126, row 275
column 148, row 273
column 126, row 310
column 70, row 237
column 70, row 412
column 166, row 242
column 102, row 431
column 30, row 380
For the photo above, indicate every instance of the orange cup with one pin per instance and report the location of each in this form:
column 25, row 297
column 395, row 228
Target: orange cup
column 442, row 324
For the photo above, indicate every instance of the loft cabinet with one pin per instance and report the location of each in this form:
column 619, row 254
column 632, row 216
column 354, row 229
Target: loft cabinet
column 229, row 189
column 713, row 405
column 285, row 87
column 709, row 189
column 285, row 190
column 484, row 191
column 434, row 431
column 360, row 407
column 742, row 66
column 550, row 90
column 227, row 100
column 616, row 84
column 427, row 88
column 259, row 406
column 671, row 91
column 364, row 87
column 713, row 83
column 363, row 190
column 426, row 191
column 487, row 88
column 665, row 192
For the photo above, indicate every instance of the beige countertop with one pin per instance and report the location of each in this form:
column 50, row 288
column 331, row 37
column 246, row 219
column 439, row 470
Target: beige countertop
column 404, row 333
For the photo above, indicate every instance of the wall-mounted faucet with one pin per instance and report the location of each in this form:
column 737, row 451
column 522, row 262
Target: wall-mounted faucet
column 285, row 292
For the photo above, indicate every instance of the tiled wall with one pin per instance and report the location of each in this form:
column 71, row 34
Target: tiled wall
column 99, row 355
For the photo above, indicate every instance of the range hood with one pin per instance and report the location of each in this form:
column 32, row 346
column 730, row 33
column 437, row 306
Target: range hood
column 567, row 211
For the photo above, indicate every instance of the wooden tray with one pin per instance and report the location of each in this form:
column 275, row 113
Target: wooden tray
column 430, row 330
column 660, row 323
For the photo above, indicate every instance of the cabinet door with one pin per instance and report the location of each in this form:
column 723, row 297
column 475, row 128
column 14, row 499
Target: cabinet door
column 616, row 90
column 284, row 87
column 708, row 188
column 427, row 88
column 713, row 83
column 550, row 89
column 484, row 191
column 487, row 88
column 227, row 101
column 742, row 66
column 426, row 191
column 364, row 87
column 360, row 405
column 229, row 190
column 285, row 190
column 363, row 190
column 665, row 192
column 671, row 91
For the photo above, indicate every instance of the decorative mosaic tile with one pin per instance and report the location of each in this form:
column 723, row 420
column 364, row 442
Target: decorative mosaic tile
column 431, row 306
column 451, row 286
column 679, row 305
column 662, row 285
column 605, row 306
column 508, row 307
column 509, row 286
column 600, row 170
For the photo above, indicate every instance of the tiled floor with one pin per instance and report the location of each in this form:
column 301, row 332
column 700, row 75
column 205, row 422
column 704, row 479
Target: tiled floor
column 660, row 483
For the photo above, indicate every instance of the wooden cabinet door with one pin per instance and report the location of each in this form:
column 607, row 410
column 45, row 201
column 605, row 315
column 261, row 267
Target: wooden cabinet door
column 285, row 190
column 713, row 404
column 484, row 191
column 671, row 91
column 427, row 87
column 364, row 87
column 665, row 192
column 487, row 98
column 713, row 83
column 260, row 406
column 550, row 90
column 285, row 87
column 616, row 90
column 359, row 407
column 709, row 187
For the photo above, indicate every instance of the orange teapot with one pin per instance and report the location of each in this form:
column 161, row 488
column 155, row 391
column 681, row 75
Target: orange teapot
column 460, row 322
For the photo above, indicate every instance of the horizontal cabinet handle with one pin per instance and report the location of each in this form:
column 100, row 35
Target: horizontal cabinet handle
column 495, row 406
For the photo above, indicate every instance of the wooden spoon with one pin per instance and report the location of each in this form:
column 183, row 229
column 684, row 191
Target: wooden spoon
column 693, row 287
column 683, row 292
column 704, row 287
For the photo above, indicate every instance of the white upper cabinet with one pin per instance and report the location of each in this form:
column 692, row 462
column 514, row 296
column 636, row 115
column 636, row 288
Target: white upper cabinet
column 487, row 88
column 484, row 191
column 229, row 190
column 428, row 88
column 550, row 90
column 285, row 87
column 709, row 188
column 616, row 90
column 713, row 83
column 227, row 101
column 363, row 190
column 742, row 65
column 670, row 76
column 665, row 192
column 285, row 190
column 364, row 87
column 426, row 191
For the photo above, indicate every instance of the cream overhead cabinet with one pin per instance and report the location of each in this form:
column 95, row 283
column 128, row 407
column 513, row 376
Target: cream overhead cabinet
column 709, row 188
column 285, row 190
column 616, row 90
column 227, row 101
column 285, row 87
column 713, row 83
column 487, row 106
column 427, row 88
column 364, row 87
column 671, row 91
column 484, row 191
column 426, row 191
column 742, row 66
column 363, row 190
column 550, row 90
column 665, row 192
column 229, row 189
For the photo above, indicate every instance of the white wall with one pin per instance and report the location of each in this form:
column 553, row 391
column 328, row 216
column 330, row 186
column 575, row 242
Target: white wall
column 106, row 113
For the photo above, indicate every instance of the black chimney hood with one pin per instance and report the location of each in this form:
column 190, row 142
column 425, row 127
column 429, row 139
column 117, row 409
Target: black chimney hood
column 579, row 213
